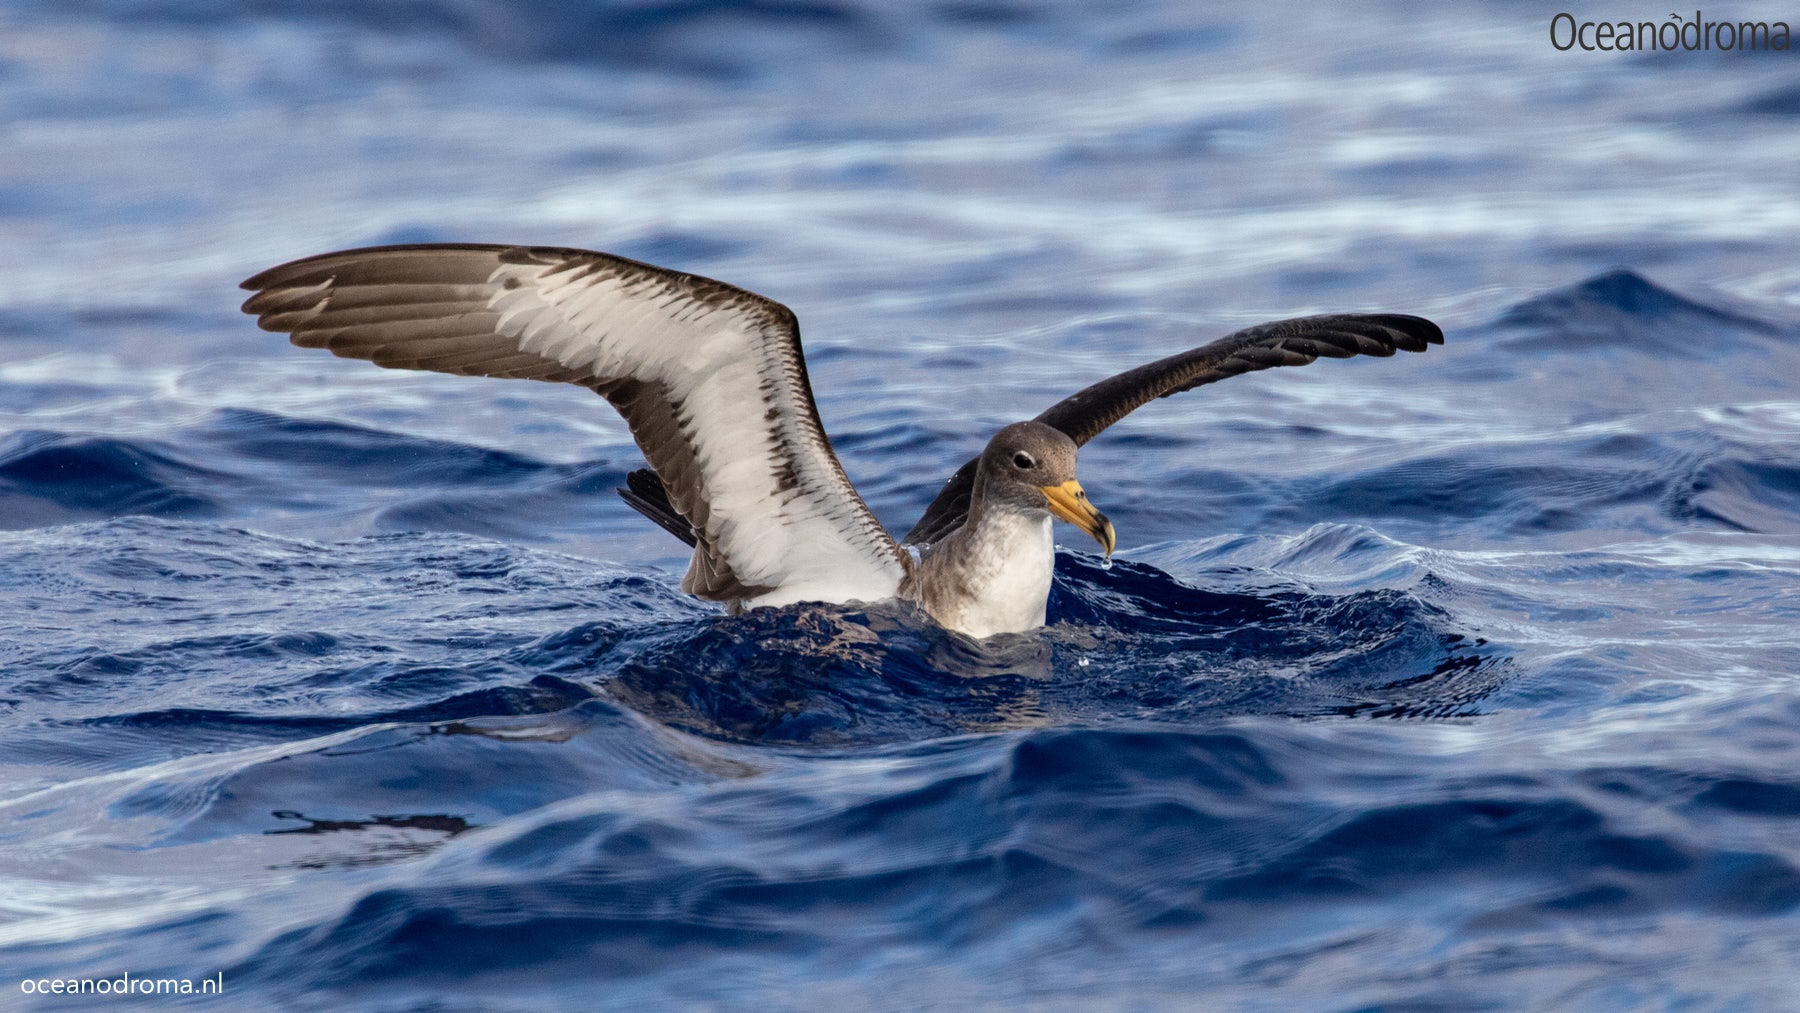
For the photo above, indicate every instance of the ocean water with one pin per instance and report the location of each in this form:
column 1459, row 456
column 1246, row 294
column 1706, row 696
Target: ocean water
column 1467, row 680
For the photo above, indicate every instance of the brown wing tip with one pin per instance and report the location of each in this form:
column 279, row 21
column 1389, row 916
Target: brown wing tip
column 314, row 270
column 1382, row 334
column 1418, row 330
column 287, row 310
column 261, row 279
column 389, row 263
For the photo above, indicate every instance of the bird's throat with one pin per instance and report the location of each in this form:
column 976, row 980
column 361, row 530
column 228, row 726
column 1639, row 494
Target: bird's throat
column 997, row 580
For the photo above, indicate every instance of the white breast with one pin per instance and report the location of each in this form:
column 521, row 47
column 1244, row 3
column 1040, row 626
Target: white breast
column 1005, row 574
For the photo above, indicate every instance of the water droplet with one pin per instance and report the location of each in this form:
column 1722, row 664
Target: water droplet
column 1106, row 563
column 1083, row 663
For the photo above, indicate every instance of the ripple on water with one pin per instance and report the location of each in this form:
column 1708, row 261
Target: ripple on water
column 1454, row 681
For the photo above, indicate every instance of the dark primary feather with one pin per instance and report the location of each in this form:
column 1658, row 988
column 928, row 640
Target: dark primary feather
column 644, row 492
column 1087, row 412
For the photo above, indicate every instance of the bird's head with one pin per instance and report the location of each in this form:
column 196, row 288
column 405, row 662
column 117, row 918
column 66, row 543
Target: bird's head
column 1032, row 465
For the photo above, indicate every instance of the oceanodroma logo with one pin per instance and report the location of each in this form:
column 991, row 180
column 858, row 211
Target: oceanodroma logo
column 124, row 985
column 1677, row 33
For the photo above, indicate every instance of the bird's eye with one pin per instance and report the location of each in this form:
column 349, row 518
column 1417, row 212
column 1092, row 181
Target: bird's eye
column 1023, row 460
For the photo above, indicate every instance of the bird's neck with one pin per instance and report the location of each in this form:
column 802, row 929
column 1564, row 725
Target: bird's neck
column 993, row 575
column 983, row 503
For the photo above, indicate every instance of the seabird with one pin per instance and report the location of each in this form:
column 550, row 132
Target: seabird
column 712, row 382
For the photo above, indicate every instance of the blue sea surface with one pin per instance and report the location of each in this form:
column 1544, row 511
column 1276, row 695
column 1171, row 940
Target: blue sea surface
column 1459, row 681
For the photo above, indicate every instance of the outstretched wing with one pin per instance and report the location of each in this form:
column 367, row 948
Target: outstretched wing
column 710, row 378
column 1086, row 413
